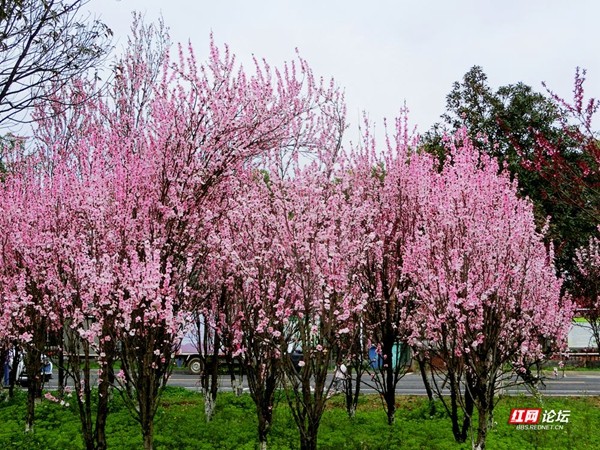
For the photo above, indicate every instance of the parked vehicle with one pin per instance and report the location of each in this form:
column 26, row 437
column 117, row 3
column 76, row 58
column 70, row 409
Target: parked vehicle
column 187, row 355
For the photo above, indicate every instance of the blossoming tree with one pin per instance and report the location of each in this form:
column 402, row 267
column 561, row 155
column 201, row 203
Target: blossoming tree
column 255, row 284
column 27, row 278
column 319, row 249
column 389, row 190
column 489, row 301
column 169, row 136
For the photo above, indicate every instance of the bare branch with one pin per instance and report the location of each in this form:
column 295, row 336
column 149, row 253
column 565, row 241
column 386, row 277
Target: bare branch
column 43, row 44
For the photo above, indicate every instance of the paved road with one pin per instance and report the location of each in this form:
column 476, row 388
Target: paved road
column 574, row 384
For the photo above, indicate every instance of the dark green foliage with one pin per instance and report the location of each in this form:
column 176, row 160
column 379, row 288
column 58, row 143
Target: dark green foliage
column 507, row 124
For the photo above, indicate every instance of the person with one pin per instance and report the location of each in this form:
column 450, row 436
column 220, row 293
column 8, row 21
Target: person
column 7, row 367
column 339, row 378
column 561, row 366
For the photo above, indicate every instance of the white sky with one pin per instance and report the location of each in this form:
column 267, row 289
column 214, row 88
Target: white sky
column 386, row 52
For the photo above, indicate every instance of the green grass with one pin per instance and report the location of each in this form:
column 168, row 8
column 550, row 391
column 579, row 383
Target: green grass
column 180, row 424
column 580, row 320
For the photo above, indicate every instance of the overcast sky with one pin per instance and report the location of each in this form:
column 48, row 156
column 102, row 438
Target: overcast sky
column 386, row 52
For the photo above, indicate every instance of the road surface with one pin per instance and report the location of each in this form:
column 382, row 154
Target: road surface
column 575, row 383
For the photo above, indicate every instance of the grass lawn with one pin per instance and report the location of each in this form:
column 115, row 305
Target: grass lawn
column 180, row 425
column 580, row 320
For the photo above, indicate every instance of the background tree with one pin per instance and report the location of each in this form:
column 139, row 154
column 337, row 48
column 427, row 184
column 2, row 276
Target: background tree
column 576, row 183
column 502, row 122
column 44, row 45
column 577, row 121
column 507, row 123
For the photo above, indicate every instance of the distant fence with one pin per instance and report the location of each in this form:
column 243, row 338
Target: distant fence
column 589, row 360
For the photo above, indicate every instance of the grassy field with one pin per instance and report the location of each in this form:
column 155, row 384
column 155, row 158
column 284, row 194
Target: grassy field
column 180, row 425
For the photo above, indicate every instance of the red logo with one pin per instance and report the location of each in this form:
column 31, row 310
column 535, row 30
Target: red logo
column 521, row 416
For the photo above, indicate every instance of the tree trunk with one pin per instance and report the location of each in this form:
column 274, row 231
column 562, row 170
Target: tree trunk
column 237, row 386
column 265, row 418
column 390, row 387
column 210, row 397
column 102, row 414
column 33, row 366
column 148, row 434
column 30, row 408
column 146, row 370
column 308, row 440
column 482, row 427
column 595, row 326
column 351, row 410
column 468, row 415
column 427, row 384
column 307, row 443
column 146, row 398
column 79, row 362
column 107, row 380
column 460, row 434
column 12, row 377
column 209, row 406
column 307, row 402
column 391, row 408
column 352, row 391
column 5, row 367
column 61, row 368
column 236, row 381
